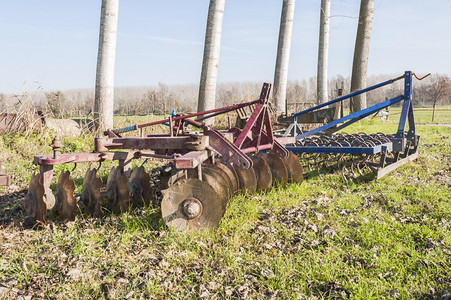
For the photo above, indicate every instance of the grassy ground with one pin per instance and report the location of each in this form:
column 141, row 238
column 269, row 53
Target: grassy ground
column 423, row 115
column 322, row 239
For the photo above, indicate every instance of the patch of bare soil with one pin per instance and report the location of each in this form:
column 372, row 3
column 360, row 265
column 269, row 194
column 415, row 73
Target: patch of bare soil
column 443, row 179
column 443, row 176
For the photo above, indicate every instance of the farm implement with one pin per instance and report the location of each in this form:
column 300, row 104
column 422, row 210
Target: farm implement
column 323, row 148
column 203, row 168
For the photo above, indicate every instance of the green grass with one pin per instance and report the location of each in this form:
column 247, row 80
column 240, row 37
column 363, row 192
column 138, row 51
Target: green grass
column 322, row 239
column 423, row 115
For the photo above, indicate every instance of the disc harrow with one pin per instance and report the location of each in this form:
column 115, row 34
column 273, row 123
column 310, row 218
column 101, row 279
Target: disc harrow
column 324, row 149
column 203, row 167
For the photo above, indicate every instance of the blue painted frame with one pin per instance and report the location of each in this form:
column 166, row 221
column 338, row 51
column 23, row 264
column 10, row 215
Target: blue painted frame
column 397, row 144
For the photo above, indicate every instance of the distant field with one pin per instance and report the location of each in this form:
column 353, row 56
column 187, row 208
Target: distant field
column 423, row 115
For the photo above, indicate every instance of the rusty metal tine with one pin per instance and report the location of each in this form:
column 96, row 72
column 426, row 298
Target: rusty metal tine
column 145, row 161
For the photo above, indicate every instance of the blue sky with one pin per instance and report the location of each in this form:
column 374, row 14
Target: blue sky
column 53, row 44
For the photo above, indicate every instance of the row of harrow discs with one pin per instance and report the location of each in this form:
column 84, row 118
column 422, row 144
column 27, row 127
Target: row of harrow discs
column 204, row 169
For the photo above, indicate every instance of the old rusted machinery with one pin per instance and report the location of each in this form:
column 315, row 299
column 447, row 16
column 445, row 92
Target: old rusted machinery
column 5, row 180
column 204, row 168
column 325, row 148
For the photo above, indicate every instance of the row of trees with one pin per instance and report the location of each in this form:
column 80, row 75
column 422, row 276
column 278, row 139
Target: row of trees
column 161, row 99
column 104, row 93
column 360, row 61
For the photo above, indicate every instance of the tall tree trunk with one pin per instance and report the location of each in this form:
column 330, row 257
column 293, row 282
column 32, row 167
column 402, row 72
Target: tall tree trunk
column 209, row 74
column 361, row 52
column 104, row 93
column 283, row 56
column 323, row 49
column 433, row 111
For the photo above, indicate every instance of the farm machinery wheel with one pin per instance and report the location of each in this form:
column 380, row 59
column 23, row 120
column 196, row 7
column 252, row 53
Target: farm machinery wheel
column 66, row 204
column 140, row 187
column 34, row 203
column 247, row 179
column 263, row 174
column 294, row 168
column 191, row 204
column 231, row 173
column 278, row 168
column 92, row 196
column 218, row 180
column 117, row 191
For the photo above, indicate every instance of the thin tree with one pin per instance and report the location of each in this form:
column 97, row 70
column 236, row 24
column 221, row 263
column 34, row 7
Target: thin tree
column 439, row 87
column 209, row 74
column 361, row 53
column 323, row 49
column 104, row 92
column 283, row 56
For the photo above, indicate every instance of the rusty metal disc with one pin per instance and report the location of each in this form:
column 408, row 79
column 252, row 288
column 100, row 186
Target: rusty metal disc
column 123, row 194
column 294, row 168
column 230, row 170
column 225, row 176
column 117, row 191
column 91, row 195
column 247, row 179
column 263, row 174
column 34, row 203
column 66, row 202
column 111, row 187
column 278, row 168
column 139, row 185
column 191, row 204
column 49, row 197
column 218, row 180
